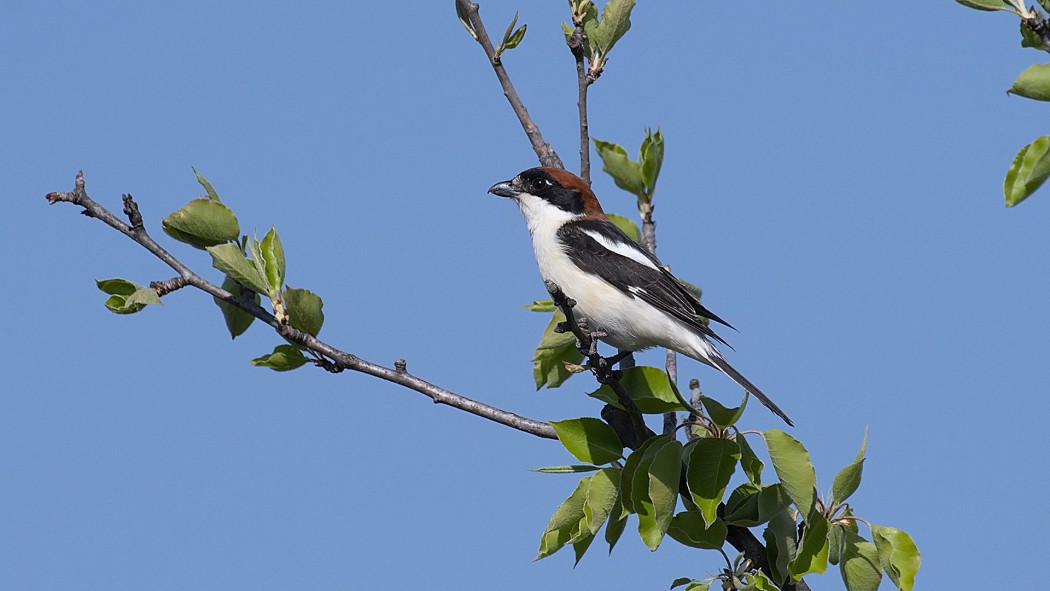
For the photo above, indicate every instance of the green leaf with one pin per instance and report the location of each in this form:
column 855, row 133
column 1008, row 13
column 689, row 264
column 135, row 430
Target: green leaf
column 848, row 479
column 681, row 581
column 812, row 556
column 631, row 466
column 202, row 223
column 772, row 500
column 555, row 348
column 305, row 309
column 1030, row 168
column 273, row 255
column 510, row 30
column 237, row 320
column 649, row 388
column 859, row 566
column 698, row 586
column 690, row 529
column 655, row 488
column 617, row 521
column 1030, row 38
column 651, row 158
column 628, row 226
column 586, row 13
column 579, row 546
column 512, row 38
column 794, row 468
column 749, row 507
column 835, row 543
column 742, row 506
column 722, row 416
column 283, row 358
column 566, row 518
column 601, row 498
column 615, row 22
column 710, row 463
column 591, row 440
column 211, row 194
column 779, row 536
column 758, row 581
column 259, row 263
column 465, row 21
column 541, row 306
column 1033, row 83
column 572, row 469
column 984, row 4
column 229, row 259
column 749, row 460
column 898, row 555
column 126, row 297
column 626, row 174
column 836, row 537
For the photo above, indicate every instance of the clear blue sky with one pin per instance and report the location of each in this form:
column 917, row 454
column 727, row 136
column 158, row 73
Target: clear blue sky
column 832, row 180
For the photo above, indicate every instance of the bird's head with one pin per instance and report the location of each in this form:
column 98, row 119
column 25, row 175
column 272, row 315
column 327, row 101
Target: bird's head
column 550, row 192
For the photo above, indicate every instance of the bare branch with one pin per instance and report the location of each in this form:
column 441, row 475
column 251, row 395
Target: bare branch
column 544, row 151
column 329, row 357
column 584, row 81
column 649, row 240
column 671, row 365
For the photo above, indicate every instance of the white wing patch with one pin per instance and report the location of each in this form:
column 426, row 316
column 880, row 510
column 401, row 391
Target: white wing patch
column 627, row 250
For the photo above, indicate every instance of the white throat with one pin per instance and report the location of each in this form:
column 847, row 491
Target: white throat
column 542, row 218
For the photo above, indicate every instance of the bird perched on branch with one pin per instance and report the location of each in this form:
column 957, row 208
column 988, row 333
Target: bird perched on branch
column 619, row 287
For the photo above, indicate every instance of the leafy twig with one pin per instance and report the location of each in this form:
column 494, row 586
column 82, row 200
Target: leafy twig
column 333, row 359
column 544, row 151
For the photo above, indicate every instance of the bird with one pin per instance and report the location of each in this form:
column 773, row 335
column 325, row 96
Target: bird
column 620, row 287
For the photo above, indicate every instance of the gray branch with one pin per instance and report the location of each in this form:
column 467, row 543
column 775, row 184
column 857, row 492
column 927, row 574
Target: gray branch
column 544, row 151
column 329, row 357
column 583, row 81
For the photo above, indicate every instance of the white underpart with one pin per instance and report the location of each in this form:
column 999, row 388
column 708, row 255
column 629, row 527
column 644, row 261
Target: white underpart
column 630, row 323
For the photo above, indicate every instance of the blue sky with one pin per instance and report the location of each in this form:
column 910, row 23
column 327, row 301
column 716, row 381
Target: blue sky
column 833, row 180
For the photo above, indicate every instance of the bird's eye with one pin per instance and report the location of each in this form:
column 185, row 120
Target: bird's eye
column 539, row 184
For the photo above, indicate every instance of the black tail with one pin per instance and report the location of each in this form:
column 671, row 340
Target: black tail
column 746, row 384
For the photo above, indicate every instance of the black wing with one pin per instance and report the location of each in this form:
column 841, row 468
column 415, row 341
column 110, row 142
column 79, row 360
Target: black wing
column 654, row 286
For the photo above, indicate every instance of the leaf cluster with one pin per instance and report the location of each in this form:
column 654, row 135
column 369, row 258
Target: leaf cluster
column 599, row 34
column 683, row 491
column 637, row 177
column 1031, row 167
column 252, row 268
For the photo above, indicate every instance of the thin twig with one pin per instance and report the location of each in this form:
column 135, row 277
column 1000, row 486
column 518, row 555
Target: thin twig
column 340, row 360
column 544, row 151
column 671, row 365
column 649, row 240
column 583, row 81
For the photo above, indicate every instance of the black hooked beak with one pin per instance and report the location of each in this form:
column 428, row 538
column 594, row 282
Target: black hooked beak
column 506, row 189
